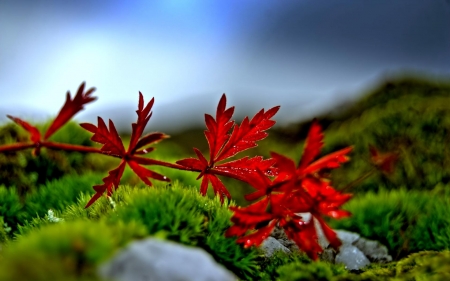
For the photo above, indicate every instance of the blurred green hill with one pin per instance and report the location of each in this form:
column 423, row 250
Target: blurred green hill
column 409, row 116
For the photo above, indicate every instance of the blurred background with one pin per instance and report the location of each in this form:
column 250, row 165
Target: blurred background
column 307, row 56
column 375, row 73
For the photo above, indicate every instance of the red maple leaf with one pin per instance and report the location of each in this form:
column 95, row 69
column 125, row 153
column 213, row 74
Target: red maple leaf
column 223, row 145
column 287, row 170
column 294, row 190
column 260, row 219
column 383, row 161
column 69, row 109
column 112, row 145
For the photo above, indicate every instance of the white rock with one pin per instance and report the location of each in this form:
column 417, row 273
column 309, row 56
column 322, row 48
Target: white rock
column 271, row 245
column 159, row 260
column 351, row 257
column 347, row 237
column 373, row 250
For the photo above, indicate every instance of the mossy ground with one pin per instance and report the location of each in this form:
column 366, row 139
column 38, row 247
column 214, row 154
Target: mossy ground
column 406, row 210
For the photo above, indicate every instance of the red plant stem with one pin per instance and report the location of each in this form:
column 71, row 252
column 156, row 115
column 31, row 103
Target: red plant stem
column 48, row 144
column 87, row 149
column 16, row 146
column 358, row 180
column 70, row 147
column 148, row 161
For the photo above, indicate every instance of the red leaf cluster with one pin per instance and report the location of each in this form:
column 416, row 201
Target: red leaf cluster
column 224, row 144
column 294, row 191
column 112, row 145
column 69, row 109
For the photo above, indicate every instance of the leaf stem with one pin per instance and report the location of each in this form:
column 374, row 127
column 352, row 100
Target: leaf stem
column 16, row 146
column 48, row 144
column 70, row 147
column 358, row 180
column 149, row 161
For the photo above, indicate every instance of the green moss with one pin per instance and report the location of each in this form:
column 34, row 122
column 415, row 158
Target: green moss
column 424, row 266
column 173, row 212
column 22, row 214
column 421, row 266
column 181, row 214
column 65, row 251
column 76, row 211
column 313, row 271
column 380, row 272
column 404, row 221
column 4, row 230
column 269, row 266
column 11, row 208
column 57, row 194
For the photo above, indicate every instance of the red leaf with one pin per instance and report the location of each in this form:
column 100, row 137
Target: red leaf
column 244, row 168
column 306, row 239
column 251, row 215
column 93, row 199
column 217, row 133
column 144, row 115
column 286, row 167
column 191, row 162
column 294, row 190
column 144, row 173
column 110, row 181
column 70, row 108
column 257, row 237
column 35, row 135
column 256, row 207
column 219, row 188
column 112, row 143
column 199, row 164
column 236, row 230
column 314, row 143
column 151, row 138
column 204, row 185
column 383, row 161
column 248, row 133
column 325, row 199
column 222, row 146
column 329, row 234
column 330, row 161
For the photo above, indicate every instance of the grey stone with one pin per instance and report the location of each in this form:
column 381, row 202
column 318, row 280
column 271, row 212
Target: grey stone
column 271, row 245
column 374, row 250
column 355, row 252
column 328, row 255
column 279, row 234
column 351, row 257
column 159, row 260
column 347, row 237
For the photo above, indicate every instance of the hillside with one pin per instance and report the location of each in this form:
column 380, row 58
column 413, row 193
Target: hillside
column 409, row 117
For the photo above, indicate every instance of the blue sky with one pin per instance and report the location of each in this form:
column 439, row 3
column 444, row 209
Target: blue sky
column 304, row 55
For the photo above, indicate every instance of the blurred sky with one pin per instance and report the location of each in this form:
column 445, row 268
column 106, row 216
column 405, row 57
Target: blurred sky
column 305, row 55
